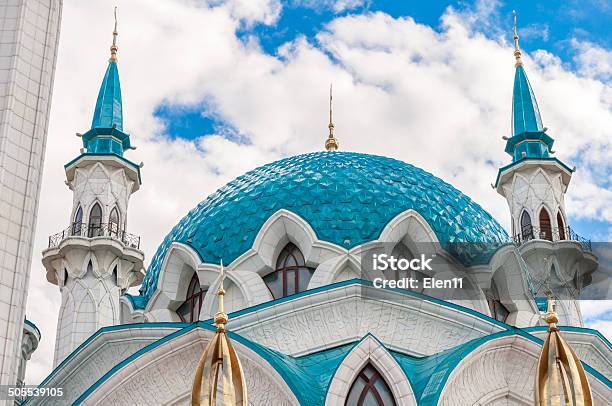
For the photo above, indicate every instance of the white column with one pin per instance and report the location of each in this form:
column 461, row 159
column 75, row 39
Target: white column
column 29, row 32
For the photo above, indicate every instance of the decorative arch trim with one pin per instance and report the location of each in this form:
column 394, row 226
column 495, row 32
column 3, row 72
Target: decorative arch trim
column 369, row 351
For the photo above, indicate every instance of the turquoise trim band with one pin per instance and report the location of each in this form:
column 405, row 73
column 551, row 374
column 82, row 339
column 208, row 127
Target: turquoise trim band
column 127, row 161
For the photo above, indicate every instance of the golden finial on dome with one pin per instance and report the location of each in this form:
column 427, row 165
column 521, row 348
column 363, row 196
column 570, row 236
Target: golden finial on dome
column 517, row 50
column 113, row 48
column 560, row 377
column 219, row 358
column 331, row 144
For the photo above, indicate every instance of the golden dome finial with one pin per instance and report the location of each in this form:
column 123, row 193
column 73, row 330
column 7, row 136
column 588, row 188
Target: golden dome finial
column 219, row 358
column 113, row 48
column 331, row 144
column 551, row 317
column 517, row 50
column 560, row 378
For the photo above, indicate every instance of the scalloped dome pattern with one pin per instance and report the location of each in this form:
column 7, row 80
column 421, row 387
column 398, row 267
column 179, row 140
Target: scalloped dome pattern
column 346, row 197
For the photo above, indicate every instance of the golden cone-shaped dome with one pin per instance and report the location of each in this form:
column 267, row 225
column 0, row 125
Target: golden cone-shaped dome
column 561, row 379
column 219, row 360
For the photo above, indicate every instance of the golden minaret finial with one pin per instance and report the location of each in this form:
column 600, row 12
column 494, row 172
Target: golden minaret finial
column 113, row 48
column 517, row 50
column 219, row 358
column 560, row 376
column 331, row 144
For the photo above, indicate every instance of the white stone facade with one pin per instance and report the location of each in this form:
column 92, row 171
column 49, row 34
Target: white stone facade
column 29, row 32
column 535, row 193
column 94, row 261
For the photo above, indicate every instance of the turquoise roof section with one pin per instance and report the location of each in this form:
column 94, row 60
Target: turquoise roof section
column 109, row 108
column 525, row 111
column 31, row 324
column 309, row 377
column 106, row 135
column 346, row 197
column 529, row 140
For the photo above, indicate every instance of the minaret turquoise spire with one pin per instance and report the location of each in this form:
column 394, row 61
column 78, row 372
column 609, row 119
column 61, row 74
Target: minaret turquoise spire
column 106, row 135
column 528, row 139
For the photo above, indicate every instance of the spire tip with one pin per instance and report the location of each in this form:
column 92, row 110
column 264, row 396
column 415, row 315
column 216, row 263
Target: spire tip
column 331, row 144
column 114, row 48
column 517, row 50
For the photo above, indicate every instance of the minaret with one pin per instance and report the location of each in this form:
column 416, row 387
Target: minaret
column 94, row 260
column 219, row 368
column 331, row 143
column 560, row 377
column 534, row 185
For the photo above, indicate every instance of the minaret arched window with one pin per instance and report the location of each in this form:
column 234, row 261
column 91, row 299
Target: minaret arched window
column 95, row 221
column 113, row 222
column 369, row 389
column 189, row 311
column 545, row 226
column 77, row 224
column 291, row 275
column 526, row 227
column 561, row 225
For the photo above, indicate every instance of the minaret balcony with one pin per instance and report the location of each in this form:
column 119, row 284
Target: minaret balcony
column 530, row 233
column 110, row 230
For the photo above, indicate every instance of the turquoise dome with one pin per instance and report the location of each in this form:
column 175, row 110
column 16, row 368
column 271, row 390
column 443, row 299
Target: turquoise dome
column 346, row 197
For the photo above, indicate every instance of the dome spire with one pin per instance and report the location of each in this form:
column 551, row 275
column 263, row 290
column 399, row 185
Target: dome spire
column 517, row 50
column 331, row 144
column 113, row 48
column 560, row 376
column 219, row 358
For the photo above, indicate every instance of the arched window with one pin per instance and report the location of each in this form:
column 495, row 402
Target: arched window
column 95, row 221
column 77, row 224
column 113, row 222
column 189, row 311
column 545, row 227
column 526, row 227
column 561, row 225
column 291, row 275
column 369, row 389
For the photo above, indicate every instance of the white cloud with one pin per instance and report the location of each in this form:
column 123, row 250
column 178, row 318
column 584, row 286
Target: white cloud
column 439, row 100
column 593, row 61
column 534, row 31
column 337, row 6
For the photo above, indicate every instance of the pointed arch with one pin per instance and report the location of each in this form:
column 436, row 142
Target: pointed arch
column 85, row 319
column 545, row 225
column 114, row 221
column 561, row 226
column 94, row 226
column 369, row 351
column 63, row 340
column 77, row 221
column 189, row 310
column 370, row 388
column 291, row 275
column 526, row 226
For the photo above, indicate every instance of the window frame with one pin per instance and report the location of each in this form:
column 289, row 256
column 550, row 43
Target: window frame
column 288, row 272
column 91, row 226
column 194, row 292
column 369, row 387
column 114, row 226
column 77, row 223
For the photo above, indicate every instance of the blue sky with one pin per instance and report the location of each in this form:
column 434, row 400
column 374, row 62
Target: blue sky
column 543, row 25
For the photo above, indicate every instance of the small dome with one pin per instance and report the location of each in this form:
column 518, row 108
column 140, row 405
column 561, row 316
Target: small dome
column 346, row 197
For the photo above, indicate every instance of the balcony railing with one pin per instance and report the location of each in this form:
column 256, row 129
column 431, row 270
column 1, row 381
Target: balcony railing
column 111, row 230
column 551, row 234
